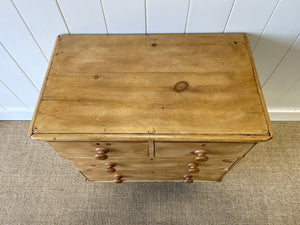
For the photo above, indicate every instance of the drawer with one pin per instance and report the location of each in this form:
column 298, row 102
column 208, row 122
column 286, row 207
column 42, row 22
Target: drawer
column 170, row 163
column 184, row 150
column 115, row 149
column 151, row 170
column 144, row 164
column 151, row 175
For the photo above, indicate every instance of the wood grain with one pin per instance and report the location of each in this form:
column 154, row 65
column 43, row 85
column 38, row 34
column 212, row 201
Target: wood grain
column 124, row 84
column 88, row 149
column 184, row 150
column 170, row 162
column 152, row 107
column 152, row 137
column 154, row 175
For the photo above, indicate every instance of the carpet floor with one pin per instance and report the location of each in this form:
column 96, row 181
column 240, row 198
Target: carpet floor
column 37, row 186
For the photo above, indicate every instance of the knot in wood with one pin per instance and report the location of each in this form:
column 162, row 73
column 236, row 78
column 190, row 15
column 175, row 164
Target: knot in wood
column 181, row 86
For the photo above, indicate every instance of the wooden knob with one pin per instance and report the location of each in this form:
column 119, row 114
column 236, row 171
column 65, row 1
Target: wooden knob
column 101, row 156
column 110, row 167
column 202, row 158
column 110, row 164
column 118, row 179
column 200, row 152
column 193, row 165
column 102, row 149
column 188, row 179
column 193, row 170
column 110, row 170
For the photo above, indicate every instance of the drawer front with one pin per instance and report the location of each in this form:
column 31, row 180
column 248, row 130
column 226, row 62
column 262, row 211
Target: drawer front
column 152, row 175
column 147, row 170
column 183, row 150
column 213, row 161
column 164, row 165
column 114, row 150
column 172, row 161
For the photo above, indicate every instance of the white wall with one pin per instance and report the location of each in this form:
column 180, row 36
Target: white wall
column 28, row 30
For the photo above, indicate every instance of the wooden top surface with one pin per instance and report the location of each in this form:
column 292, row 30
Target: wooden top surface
column 183, row 84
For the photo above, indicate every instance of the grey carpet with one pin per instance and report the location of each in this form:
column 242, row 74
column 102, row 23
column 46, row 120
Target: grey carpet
column 39, row 187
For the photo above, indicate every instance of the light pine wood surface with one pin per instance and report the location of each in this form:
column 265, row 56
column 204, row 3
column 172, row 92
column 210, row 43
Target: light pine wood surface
column 144, row 108
column 152, row 84
column 165, row 161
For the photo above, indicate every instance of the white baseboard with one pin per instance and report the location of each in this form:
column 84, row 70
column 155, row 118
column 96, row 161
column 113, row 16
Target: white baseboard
column 276, row 114
column 284, row 114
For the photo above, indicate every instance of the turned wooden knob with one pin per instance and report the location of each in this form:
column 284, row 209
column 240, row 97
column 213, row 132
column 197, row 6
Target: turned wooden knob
column 101, row 150
column 118, row 179
column 202, row 158
column 201, row 155
column 110, row 167
column 193, row 165
column 101, row 154
column 193, row 170
column 200, row 152
column 110, row 164
column 110, row 170
column 188, row 179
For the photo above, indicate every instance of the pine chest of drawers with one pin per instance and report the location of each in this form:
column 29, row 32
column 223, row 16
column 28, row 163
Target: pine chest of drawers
column 184, row 107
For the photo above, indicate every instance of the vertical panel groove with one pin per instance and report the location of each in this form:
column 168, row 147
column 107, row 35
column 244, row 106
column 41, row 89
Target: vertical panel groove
column 229, row 16
column 5, row 49
column 27, row 27
column 187, row 16
column 15, row 95
column 287, row 91
column 285, row 54
column 59, row 9
column 104, row 17
column 146, row 27
column 3, row 108
column 267, row 23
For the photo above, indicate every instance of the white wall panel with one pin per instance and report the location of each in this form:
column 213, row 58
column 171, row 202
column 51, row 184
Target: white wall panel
column 11, row 75
column 283, row 78
column 292, row 98
column 19, row 42
column 15, row 115
column 124, row 16
column 166, row 16
column 44, row 20
column 279, row 34
column 83, row 16
column 8, row 100
column 208, row 16
column 251, row 17
column 287, row 88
